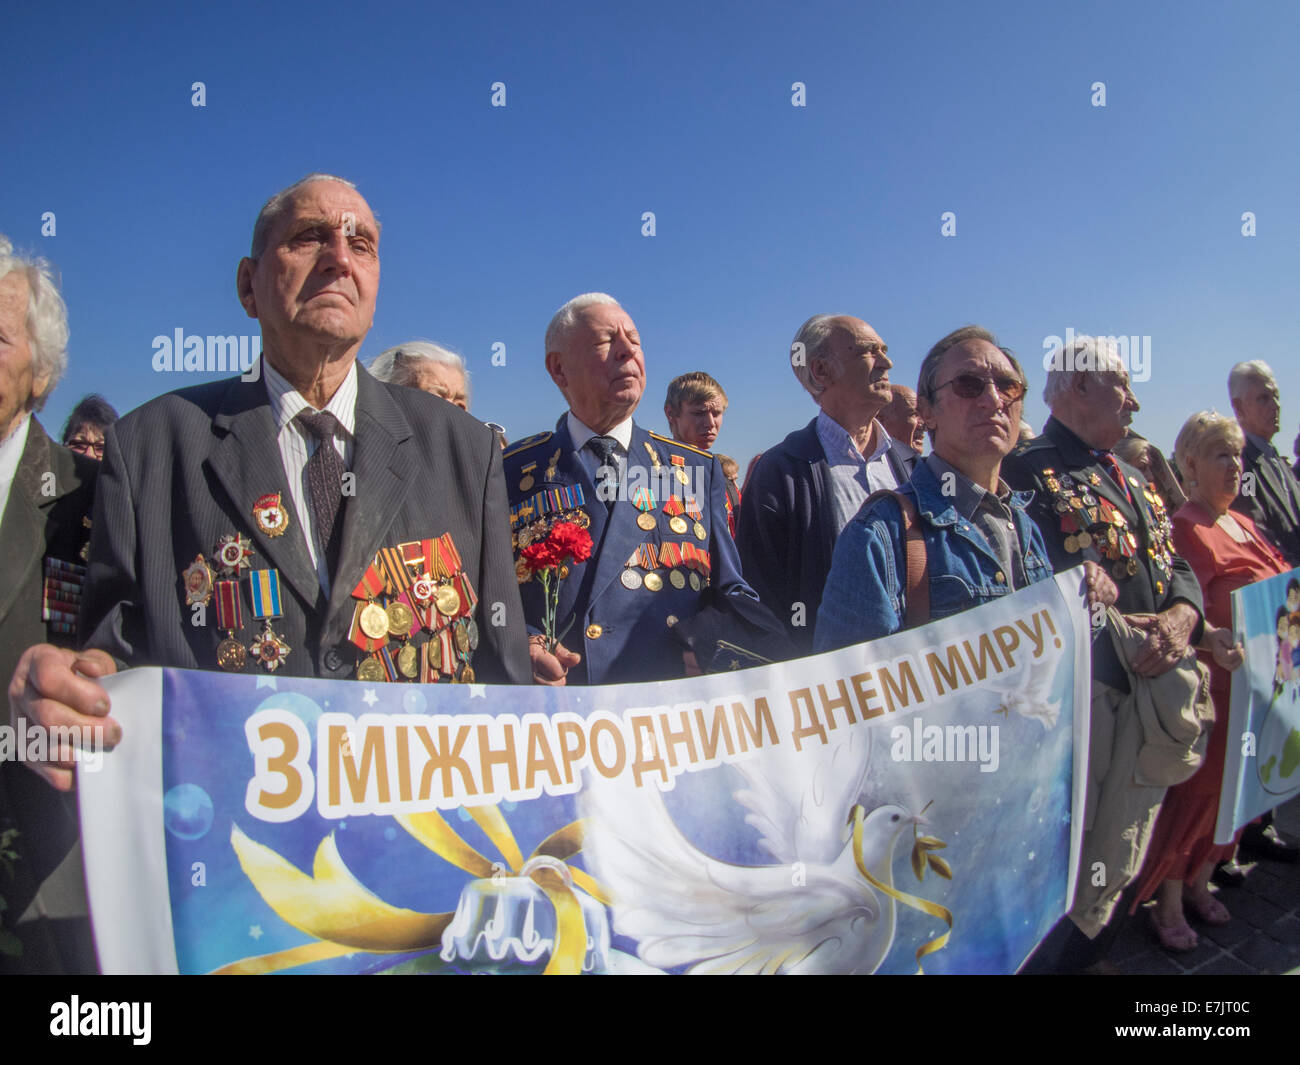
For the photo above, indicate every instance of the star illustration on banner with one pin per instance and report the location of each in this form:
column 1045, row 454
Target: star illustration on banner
column 255, row 931
column 478, row 691
column 370, row 698
column 266, row 682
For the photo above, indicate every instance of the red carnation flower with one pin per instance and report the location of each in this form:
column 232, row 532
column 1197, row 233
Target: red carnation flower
column 571, row 541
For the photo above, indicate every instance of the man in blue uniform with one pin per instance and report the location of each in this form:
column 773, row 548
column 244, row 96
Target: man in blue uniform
column 662, row 558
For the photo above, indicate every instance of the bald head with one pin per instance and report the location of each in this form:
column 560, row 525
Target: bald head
column 901, row 420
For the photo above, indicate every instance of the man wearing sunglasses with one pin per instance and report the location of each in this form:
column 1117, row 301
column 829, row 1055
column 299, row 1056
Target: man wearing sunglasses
column 969, row 396
column 804, row 490
column 1096, row 510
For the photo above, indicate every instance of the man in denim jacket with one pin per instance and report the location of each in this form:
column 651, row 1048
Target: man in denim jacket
column 980, row 544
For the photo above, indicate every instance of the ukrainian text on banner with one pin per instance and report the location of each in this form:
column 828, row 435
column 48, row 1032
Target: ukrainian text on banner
column 898, row 804
column 1262, row 768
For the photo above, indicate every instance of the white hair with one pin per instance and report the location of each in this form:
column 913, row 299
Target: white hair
column 811, row 338
column 47, row 317
column 567, row 316
column 276, row 206
column 1244, row 373
column 400, row 365
column 1083, row 356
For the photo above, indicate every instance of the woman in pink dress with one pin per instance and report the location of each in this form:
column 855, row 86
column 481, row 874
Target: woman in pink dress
column 1227, row 552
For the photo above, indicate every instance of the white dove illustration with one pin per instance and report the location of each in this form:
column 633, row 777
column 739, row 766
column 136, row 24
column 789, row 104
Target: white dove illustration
column 685, row 908
column 1029, row 698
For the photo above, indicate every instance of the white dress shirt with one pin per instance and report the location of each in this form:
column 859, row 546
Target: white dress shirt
column 854, row 476
column 11, row 453
column 297, row 445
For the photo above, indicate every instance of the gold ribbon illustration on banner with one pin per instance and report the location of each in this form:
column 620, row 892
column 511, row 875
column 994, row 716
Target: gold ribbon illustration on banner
column 921, row 857
column 345, row 917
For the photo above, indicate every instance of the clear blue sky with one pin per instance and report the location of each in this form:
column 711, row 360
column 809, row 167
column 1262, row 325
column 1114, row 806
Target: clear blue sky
column 1123, row 220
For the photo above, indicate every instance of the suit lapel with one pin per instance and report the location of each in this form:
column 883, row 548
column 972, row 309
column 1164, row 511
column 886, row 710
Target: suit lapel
column 247, row 463
column 23, row 524
column 623, row 534
column 384, row 462
column 1276, row 487
column 569, row 469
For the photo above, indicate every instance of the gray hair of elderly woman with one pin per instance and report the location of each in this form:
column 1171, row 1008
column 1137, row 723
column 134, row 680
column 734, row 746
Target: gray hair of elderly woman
column 1083, row 355
column 1203, row 430
column 47, row 317
column 400, row 365
column 927, row 379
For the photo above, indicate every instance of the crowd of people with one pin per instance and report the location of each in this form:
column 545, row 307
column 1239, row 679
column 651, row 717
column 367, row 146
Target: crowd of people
column 394, row 530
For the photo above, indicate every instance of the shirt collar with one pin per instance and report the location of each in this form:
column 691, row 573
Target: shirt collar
column 839, row 446
column 287, row 402
column 970, row 496
column 580, row 433
column 1266, row 446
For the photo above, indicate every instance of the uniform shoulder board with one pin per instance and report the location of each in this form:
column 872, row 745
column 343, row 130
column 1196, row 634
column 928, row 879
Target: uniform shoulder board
column 526, row 443
column 678, row 444
column 1029, row 447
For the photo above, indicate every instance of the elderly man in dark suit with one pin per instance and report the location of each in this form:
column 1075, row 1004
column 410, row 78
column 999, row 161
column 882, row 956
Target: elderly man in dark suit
column 807, row 488
column 1098, row 512
column 45, row 498
column 314, row 521
column 1270, row 494
column 663, row 581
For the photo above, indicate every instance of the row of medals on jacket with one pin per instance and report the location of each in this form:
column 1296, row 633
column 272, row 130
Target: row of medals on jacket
column 1106, row 527
column 631, row 577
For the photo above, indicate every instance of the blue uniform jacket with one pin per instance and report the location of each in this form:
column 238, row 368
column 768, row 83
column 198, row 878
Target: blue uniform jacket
column 623, row 633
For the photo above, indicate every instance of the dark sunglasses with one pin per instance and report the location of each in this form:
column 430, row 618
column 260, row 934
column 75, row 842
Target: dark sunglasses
column 971, row 386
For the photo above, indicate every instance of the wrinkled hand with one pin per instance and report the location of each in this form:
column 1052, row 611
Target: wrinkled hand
column 550, row 669
column 55, row 688
column 1101, row 589
column 1226, row 653
column 1166, row 642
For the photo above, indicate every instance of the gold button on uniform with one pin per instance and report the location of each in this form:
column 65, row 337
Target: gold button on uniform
column 594, row 631
column 999, row 577
column 672, row 620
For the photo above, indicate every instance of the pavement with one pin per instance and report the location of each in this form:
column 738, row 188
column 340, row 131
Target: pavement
column 1263, row 936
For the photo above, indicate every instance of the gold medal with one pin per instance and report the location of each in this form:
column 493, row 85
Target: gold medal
column 1085, row 540
column 374, row 621
column 408, row 661
column 681, row 476
column 231, row 655
column 400, row 619
column 1071, row 543
column 678, row 524
column 370, row 669
column 461, row 638
column 645, row 520
column 526, row 483
column 653, row 581
column 197, row 580
column 270, row 515
column 696, row 583
column 631, row 579
column 447, row 600
column 467, row 675
column 700, row 532
column 677, row 579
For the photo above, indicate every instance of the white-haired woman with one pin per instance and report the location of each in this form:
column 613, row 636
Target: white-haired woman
column 1227, row 552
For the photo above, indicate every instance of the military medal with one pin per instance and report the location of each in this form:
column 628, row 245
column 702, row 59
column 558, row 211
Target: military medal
column 370, row 669
column 408, row 662
column 447, row 600
column 695, row 513
column 673, row 507
column 696, row 583
column 631, row 579
column 197, row 581
column 230, row 616
column 461, row 638
column 467, row 675
column 232, row 554
column 676, row 578
column 526, row 481
column 471, row 630
column 270, row 515
column 369, row 629
column 679, row 468
column 374, row 620
column 267, row 647
column 400, row 619
column 653, row 581
column 644, row 501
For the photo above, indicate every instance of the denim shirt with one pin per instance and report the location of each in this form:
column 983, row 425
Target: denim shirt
column 864, row 599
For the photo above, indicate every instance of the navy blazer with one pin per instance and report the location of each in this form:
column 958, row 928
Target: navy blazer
column 786, row 533
column 1274, row 500
column 623, row 633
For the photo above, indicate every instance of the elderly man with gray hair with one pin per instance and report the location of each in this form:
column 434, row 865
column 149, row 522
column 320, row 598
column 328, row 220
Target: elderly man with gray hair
column 806, row 489
column 427, row 366
column 1270, row 494
column 1097, row 510
column 46, row 493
